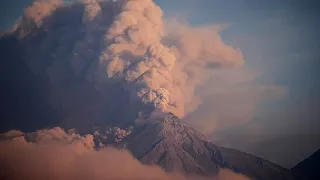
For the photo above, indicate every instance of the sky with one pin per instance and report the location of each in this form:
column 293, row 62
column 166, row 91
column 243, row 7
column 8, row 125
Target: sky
column 277, row 92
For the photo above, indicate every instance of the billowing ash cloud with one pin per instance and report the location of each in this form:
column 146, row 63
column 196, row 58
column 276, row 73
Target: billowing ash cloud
column 134, row 55
column 58, row 155
column 40, row 9
column 160, row 70
column 102, row 56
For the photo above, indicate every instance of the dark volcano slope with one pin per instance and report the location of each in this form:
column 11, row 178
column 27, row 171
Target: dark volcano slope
column 308, row 169
column 176, row 146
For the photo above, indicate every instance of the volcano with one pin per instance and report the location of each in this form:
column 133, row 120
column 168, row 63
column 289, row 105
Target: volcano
column 172, row 144
column 308, row 168
column 176, row 146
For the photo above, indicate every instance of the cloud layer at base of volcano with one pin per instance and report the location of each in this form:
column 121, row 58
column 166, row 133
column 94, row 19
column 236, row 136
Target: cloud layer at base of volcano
column 55, row 154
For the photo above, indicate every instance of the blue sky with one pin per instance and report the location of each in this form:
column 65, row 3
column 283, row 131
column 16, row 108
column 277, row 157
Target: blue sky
column 279, row 40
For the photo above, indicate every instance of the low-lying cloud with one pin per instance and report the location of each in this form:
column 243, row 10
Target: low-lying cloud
column 54, row 154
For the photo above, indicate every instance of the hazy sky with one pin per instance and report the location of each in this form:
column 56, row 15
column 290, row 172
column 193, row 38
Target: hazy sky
column 280, row 42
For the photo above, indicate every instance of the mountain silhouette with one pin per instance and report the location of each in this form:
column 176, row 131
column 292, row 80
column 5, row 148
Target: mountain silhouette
column 176, row 146
column 308, row 168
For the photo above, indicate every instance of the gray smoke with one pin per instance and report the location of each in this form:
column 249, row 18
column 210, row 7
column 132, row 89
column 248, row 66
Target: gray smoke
column 91, row 51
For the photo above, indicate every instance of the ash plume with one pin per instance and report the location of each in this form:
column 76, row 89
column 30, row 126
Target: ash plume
column 98, row 57
column 135, row 56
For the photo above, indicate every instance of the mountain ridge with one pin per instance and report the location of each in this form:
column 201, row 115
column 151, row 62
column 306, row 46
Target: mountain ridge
column 308, row 168
column 175, row 145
